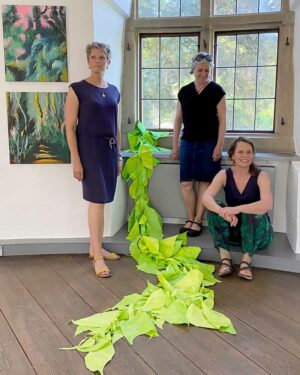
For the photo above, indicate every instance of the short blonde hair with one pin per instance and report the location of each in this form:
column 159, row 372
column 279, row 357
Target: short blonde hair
column 96, row 45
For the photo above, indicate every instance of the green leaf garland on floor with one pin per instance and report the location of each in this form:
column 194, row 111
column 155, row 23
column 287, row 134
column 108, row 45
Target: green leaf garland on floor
column 181, row 295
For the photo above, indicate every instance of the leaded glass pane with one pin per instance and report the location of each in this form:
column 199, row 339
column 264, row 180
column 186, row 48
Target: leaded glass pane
column 244, row 113
column 169, row 83
column 270, row 5
column 266, row 80
column 264, row 114
column 169, row 55
column 226, row 47
column 225, row 77
column 229, row 114
column 190, row 8
column 188, row 48
column 148, row 8
column 224, row 7
column 150, row 52
column 245, row 83
column 169, row 8
column 185, row 77
column 167, row 113
column 268, row 43
column 150, row 113
column 247, row 6
column 150, row 83
column 246, row 53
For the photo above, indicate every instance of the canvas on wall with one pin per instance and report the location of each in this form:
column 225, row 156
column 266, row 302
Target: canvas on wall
column 36, row 128
column 35, row 47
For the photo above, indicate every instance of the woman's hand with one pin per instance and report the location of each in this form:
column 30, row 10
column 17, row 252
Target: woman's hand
column 231, row 210
column 174, row 154
column 230, row 217
column 120, row 167
column 77, row 170
column 217, row 153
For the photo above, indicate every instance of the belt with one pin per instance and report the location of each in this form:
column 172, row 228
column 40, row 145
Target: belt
column 111, row 141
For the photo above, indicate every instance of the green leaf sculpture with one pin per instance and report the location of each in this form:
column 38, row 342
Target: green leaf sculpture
column 181, row 295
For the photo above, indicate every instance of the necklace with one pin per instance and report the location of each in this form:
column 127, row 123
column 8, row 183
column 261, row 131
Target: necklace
column 103, row 94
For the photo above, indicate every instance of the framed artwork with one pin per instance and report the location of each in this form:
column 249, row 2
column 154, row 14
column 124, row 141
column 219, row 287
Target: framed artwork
column 36, row 128
column 35, row 47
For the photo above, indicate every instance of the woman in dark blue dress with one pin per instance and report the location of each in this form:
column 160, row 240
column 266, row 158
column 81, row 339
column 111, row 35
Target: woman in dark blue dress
column 94, row 141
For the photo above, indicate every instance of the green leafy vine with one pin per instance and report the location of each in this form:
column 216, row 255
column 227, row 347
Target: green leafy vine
column 182, row 294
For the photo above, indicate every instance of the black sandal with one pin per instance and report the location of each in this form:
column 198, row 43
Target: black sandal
column 246, row 267
column 195, row 232
column 228, row 263
column 184, row 229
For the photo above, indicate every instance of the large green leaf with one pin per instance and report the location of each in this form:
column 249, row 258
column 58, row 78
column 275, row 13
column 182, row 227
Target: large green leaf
column 140, row 324
column 96, row 361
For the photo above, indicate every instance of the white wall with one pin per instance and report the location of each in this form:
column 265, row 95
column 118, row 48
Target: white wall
column 293, row 206
column 295, row 5
column 109, row 27
column 44, row 201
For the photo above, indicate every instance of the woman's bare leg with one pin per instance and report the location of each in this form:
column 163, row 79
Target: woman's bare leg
column 96, row 225
column 200, row 209
column 189, row 199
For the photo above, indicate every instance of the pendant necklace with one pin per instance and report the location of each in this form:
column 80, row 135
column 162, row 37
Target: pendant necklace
column 103, row 94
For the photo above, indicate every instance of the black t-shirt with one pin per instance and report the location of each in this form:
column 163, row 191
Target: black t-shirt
column 199, row 111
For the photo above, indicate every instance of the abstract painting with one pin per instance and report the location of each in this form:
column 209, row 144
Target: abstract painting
column 36, row 128
column 35, row 47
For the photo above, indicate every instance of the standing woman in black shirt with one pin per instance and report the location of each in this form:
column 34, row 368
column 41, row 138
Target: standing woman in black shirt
column 201, row 109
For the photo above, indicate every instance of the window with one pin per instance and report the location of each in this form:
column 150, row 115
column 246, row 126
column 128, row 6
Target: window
column 246, row 65
column 252, row 45
column 165, row 67
column 227, row 7
column 168, row 8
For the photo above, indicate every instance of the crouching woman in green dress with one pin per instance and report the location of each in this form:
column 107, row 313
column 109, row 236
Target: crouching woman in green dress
column 244, row 220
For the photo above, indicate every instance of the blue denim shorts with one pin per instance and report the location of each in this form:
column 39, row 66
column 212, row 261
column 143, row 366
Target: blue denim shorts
column 196, row 161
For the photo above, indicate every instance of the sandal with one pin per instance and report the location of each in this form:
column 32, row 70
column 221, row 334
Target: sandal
column 104, row 272
column 246, row 267
column 195, row 232
column 112, row 256
column 228, row 263
column 184, row 229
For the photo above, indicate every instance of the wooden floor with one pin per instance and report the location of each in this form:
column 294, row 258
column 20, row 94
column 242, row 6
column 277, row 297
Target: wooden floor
column 39, row 294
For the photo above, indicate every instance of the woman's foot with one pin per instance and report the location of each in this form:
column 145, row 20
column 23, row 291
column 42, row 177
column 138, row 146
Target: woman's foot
column 107, row 255
column 187, row 226
column 245, row 270
column 100, row 267
column 195, row 229
column 226, row 267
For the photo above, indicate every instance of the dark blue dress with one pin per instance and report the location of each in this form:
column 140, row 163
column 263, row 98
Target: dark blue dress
column 96, row 139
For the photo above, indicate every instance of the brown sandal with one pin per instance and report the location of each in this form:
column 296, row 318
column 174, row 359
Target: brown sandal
column 246, row 267
column 228, row 263
column 104, row 272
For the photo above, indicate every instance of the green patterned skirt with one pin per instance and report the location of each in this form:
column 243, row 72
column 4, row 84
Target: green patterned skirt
column 253, row 232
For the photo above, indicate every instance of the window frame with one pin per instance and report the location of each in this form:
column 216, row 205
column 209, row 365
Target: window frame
column 282, row 140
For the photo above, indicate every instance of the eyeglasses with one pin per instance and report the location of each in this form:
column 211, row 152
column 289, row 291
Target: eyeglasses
column 201, row 57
